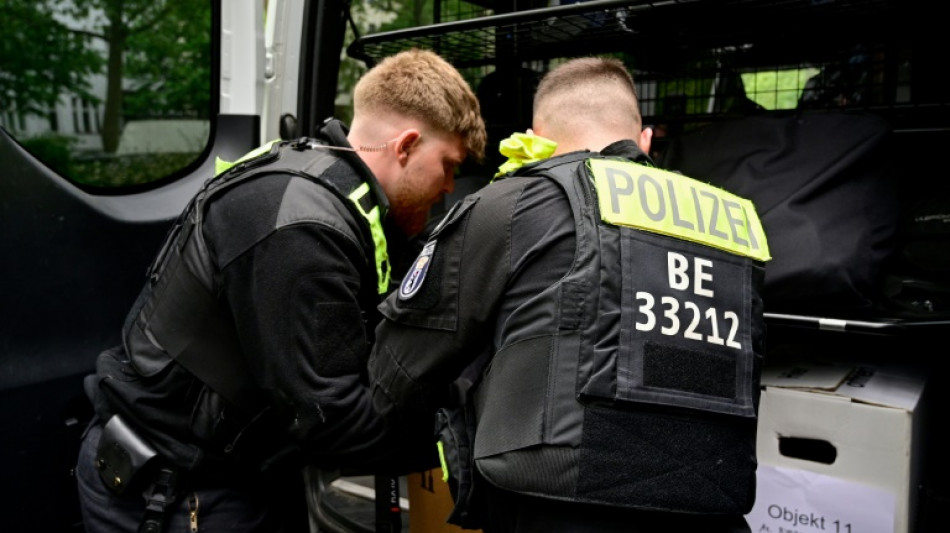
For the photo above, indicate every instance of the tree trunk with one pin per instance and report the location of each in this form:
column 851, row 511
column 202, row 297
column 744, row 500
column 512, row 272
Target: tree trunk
column 112, row 120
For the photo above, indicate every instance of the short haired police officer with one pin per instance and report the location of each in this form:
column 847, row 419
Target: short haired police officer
column 600, row 322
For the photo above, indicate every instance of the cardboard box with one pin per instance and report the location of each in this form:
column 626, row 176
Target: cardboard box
column 430, row 503
column 839, row 448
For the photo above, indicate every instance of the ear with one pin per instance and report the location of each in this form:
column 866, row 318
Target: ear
column 646, row 140
column 404, row 142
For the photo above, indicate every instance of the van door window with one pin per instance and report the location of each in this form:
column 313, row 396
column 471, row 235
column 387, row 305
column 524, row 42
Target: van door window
column 107, row 93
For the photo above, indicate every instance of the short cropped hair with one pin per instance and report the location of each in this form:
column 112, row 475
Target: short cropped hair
column 422, row 85
column 587, row 90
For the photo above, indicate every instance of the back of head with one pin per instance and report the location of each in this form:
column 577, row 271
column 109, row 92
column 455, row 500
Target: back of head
column 587, row 96
column 421, row 85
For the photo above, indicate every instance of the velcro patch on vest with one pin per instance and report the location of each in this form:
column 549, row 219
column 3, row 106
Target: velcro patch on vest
column 664, row 202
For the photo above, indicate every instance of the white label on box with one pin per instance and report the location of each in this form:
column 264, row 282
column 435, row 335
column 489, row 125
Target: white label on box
column 790, row 500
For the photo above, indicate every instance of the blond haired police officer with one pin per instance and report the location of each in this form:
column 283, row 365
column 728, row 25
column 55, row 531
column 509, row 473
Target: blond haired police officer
column 245, row 356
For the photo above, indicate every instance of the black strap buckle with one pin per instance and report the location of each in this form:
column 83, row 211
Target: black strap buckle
column 160, row 496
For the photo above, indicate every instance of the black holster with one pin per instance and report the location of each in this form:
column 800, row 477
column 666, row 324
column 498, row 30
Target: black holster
column 122, row 456
column 125, row 460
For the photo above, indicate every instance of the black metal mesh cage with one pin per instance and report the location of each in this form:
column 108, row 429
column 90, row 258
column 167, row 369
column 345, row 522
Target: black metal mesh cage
column 696, row 61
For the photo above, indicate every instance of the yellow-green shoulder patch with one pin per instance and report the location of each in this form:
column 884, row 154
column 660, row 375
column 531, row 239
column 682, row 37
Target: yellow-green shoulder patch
column 664, row 202
column 220, row 165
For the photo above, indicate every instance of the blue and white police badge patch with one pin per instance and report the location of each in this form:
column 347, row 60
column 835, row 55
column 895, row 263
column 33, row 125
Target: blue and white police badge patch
column 413, row 280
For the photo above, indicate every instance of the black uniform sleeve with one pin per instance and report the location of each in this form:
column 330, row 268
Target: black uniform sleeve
column 500, row 247
column 295, row 295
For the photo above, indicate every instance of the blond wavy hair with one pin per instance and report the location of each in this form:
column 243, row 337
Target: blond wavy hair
column 422, row 85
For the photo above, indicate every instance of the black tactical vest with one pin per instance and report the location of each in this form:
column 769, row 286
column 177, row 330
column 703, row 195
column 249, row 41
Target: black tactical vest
column 228, row 415
column 652, row 378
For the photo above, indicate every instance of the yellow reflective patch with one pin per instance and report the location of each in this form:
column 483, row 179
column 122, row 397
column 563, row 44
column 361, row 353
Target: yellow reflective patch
column 383, row 269
column 671, row 204
column 220, row 165
column 445, row 465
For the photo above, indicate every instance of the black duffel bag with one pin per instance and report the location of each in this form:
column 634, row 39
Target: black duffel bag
column 823, row 187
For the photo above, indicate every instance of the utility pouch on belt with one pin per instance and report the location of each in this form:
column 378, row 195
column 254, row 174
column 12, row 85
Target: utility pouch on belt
column 455, row 430
column 121, row 455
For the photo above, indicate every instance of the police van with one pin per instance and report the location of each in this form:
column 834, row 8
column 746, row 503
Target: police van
column 831, row 115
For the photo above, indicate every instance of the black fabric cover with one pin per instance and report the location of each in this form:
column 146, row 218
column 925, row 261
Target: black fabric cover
column 823, row 187
column 663, row 459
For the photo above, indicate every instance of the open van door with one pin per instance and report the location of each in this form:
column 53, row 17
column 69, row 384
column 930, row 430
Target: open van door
column 102, row 142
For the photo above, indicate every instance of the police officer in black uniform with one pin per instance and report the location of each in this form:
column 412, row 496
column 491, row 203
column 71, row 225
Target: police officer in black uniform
column 600, row 322
column 244, row 358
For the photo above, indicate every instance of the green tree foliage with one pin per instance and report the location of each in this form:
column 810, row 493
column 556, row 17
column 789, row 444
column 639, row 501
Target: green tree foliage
column 158, row 52
column 169, row 64
column 146, row 30
column 778, row 89
column 41, row 58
